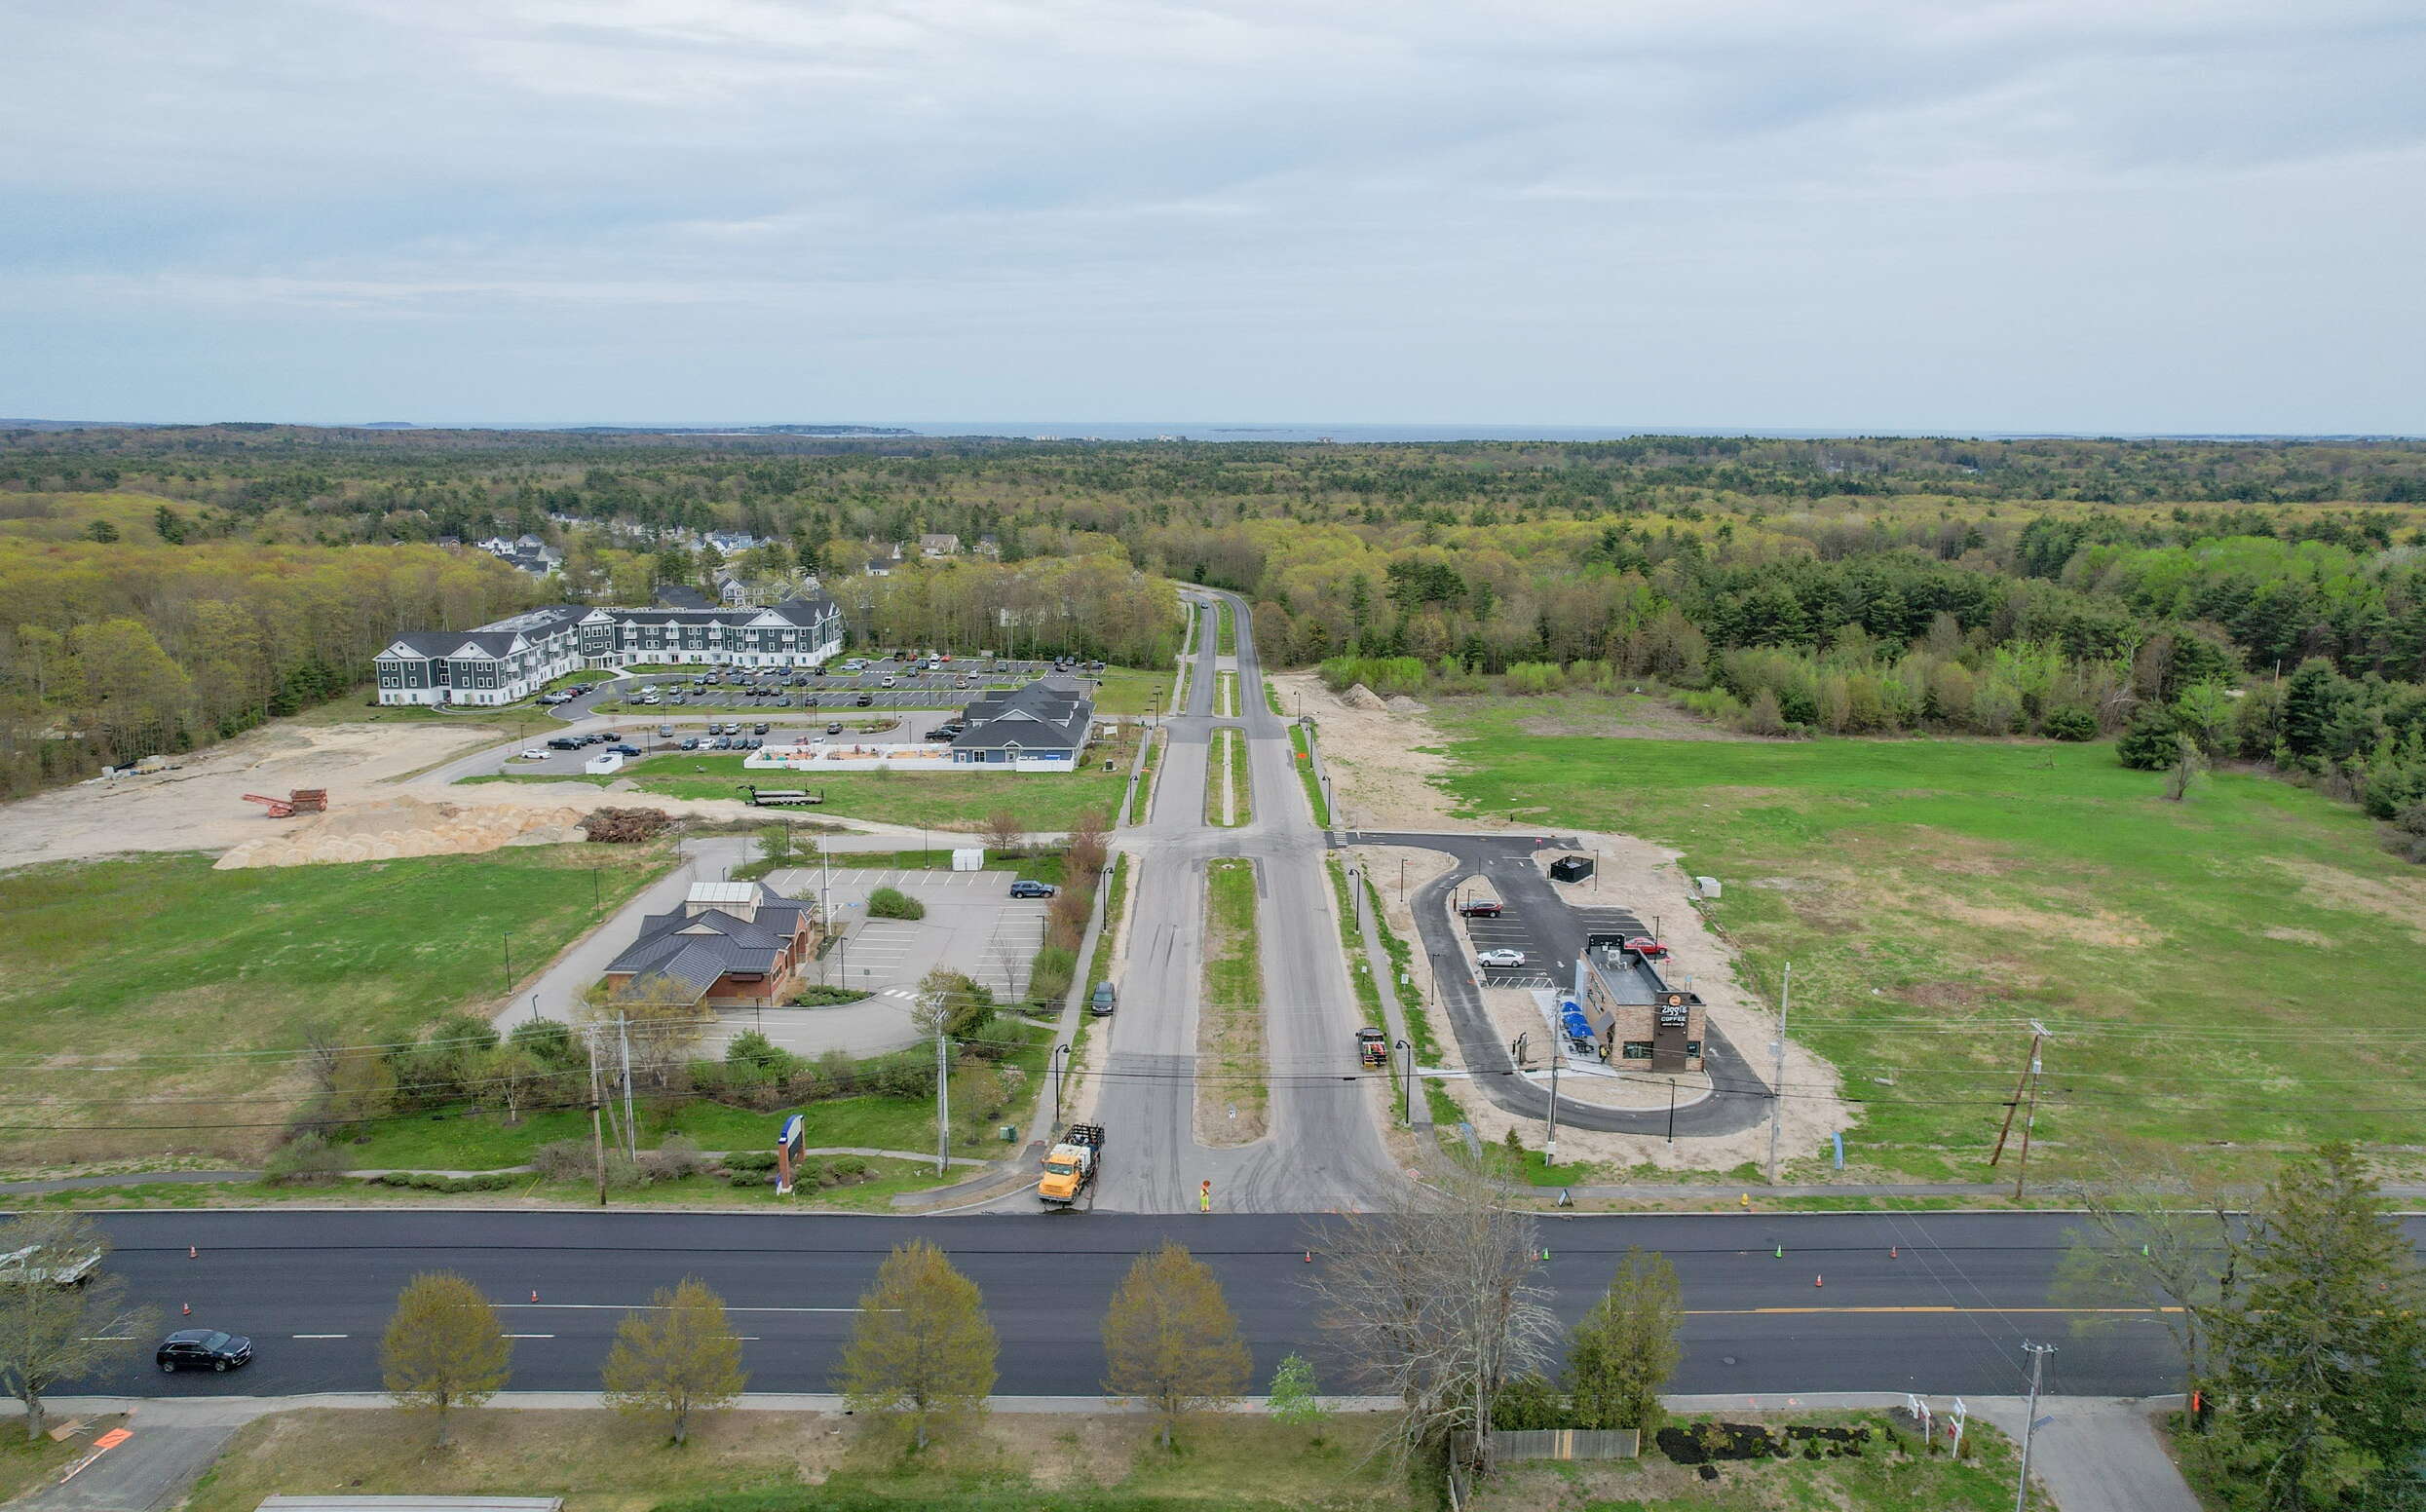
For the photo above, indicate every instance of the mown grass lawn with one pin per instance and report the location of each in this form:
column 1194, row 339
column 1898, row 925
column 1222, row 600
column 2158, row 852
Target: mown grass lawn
column 1044, row 801
column 601, row 1461
column 166, row 959
column 2205, row 965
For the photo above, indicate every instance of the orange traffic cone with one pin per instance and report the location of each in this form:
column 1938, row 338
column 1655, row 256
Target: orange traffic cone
column 185, row 1310
column 1892, row 1252
column 1818, row 1281
column 192, row 1253
column 1309, row 1257
column 534, row 1293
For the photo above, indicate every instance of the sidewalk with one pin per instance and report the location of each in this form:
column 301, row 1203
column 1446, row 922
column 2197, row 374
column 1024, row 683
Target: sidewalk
column 2093, row 1454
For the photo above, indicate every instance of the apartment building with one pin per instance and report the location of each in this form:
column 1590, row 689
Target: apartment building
column 514, row 658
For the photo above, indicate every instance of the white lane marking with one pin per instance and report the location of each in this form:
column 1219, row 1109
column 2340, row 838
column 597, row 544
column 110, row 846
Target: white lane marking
column 526, row 1335
column 317, row 1336
column 106, row 1339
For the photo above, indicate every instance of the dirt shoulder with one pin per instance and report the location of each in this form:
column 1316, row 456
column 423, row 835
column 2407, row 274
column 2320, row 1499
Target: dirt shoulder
column 1383, row 762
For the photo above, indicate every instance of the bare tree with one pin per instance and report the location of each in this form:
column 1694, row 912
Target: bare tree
column 54, row 1327
column 1434, row 1301
column 2158, row 1231
column 1005, row 829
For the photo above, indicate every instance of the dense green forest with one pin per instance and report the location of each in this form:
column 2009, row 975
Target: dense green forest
column 2250, row 600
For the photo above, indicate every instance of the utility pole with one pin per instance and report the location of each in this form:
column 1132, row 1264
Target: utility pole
column 1777, row 1070
column 597, row 1132
column 943, row 1104
column 2030, row 1121
column 1408, row 1045
column 1061, row 1055
column 632, row 1125
column 1549, row 1145
column 2030, row 1423
column 2029, row 1067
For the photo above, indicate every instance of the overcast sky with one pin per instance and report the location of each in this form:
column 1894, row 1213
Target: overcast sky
column 2111, row 216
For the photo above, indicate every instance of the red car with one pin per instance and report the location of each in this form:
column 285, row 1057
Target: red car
column 1479, row 908
column 1648, row 947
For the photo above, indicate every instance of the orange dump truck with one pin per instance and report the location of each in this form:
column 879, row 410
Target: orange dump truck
column 1070, row 1166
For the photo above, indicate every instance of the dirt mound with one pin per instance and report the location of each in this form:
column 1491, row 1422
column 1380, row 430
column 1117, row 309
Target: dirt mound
column 408, row 827
column 1400, row 703
column 1360, row 696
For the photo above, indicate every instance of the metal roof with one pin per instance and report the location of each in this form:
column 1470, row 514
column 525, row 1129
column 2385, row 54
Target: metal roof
column 723, row 892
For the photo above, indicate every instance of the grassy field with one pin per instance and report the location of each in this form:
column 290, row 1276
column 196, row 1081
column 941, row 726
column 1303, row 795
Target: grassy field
column 161, row 956
column 2237, row 968
column 600, row 1463
column 1230, row 1024
column 1228, row 645
column 1044, row 801
column 1304, row 758
column 1129, row 690
column 23, row 1465
column 873, row 1193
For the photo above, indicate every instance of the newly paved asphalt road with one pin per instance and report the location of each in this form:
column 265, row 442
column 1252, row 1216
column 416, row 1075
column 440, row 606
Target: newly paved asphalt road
column 1948, row 1313
column 1506, row 868
column 1324, row 1147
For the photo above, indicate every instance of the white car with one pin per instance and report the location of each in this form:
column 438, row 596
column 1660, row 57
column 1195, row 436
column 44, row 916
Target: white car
column 17, row 1267
column 1502, row 957
column 533, row 754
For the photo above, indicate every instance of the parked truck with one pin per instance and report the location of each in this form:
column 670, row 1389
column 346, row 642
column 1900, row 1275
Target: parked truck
column 1373, row 1048
column 1070, row 1166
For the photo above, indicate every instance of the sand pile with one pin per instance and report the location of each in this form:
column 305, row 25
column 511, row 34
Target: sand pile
column 1400, row 703
column 1360, row 696
column 408, row 827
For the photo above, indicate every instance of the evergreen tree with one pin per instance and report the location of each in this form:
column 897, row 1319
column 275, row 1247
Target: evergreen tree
column 2312, row 699
column 2154, row 742
column 2321, row 1399
column 1625, row 1349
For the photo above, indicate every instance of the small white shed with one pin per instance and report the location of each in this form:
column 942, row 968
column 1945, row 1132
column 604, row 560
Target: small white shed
column 969, row 858
column 604, row 762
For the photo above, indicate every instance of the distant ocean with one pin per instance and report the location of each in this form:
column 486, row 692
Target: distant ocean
column 1199, row 430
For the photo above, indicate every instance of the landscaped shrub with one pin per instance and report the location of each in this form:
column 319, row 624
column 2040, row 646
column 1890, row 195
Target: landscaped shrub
column 893, row 903
column 563, row 1160
column 305, row 1160
column 902, row 1074
column 2070, row 724
column 1050, row 973
column 848, row 1167
column 675, row 1156
column 434, row 1181
column 819, row 995
column 749, row 1160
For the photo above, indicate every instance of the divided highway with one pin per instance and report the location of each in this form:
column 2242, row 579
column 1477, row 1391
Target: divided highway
column 1324, row 1148
column 1946, row 1313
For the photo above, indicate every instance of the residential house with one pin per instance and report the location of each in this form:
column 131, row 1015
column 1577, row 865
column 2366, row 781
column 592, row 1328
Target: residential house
column 939, row 544
column 732, row 944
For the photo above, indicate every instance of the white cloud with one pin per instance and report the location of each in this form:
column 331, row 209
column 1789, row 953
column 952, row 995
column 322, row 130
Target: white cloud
column 1774, row 212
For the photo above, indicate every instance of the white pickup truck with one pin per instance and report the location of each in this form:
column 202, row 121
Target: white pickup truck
column 25, row 1267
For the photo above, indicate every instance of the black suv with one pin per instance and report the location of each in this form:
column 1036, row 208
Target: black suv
column 203, row 1349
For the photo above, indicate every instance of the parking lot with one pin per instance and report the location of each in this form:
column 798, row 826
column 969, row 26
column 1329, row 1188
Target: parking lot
column 642, row 734
column 889, row 682
column 974, row 925
column 1535, row 921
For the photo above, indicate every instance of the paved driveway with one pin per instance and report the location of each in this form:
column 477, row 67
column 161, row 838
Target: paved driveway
column 1504, row 867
